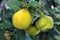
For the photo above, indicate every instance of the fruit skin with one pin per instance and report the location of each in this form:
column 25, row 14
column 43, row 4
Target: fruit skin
column 41, row 22
column 22, row 19
column 49, row 25
column 33, row 31
column 45, row 23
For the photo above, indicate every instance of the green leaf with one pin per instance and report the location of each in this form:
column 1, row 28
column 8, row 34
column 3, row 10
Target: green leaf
column 20, row 35
column 6, row 24
column 33, row 3
column 57, row 37
column 58, row 1
column 58, row 23
column 14, row 4
column 9, row 13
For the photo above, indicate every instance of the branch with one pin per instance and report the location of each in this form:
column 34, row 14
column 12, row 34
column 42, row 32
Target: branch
column 2, row 6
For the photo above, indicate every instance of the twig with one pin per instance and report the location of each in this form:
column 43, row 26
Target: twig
column 40, row 12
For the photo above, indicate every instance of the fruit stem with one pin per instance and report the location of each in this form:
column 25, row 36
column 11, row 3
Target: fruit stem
column 40, row 12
